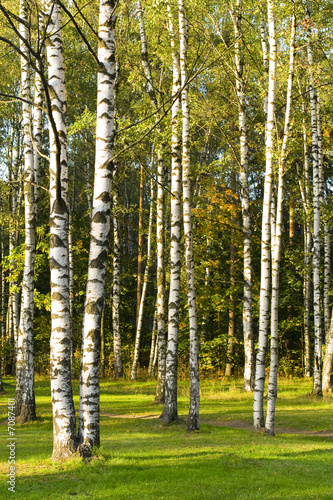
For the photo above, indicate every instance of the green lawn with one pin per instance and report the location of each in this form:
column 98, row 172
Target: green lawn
column 141, row 459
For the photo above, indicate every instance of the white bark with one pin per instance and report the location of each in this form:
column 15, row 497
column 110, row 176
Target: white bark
column 89, row 428
column 193, row 416
column 276, row 246
column 328, row 361
column 170, row 411
column 144, row 288
column 159, row 218
column 317, row 368
column 258, row 411
column 304, row 184
column 248, row 381
column 160, row 303
column 64, row 439
column 152, row 346
column 118, row 362
column 25, row 395
column 326, row 229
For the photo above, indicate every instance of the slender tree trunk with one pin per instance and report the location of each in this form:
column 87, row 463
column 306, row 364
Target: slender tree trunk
column 317, row 369
column 140, row 246
column 248, row 382
column 304, row 185
column 276, row 246
column 258, row 410
column 170, row 411
column 25, row 395
column 160, row 303
column 3, row 305
column 144, row 288
column 161, row 340
column 103, row 342
column 118, row 361
column 64, row 435
column 89, row 426
column 193, row 416
column 152, row 346
column 232, row 304
column 326, row 229
column 328, row 361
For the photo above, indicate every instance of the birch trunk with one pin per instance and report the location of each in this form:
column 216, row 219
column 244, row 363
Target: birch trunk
column 25, row 395
column 152, row 346
column 232, row 304
column 328, row 361
column 248, row 382
column 160, row 303
column 276, row 246
column 3, row 302
column 193, row 416
column 258, row 411
column 140, row 247
column 64, row 436
column 89, row 427
column 326, row 229
column 161, row 340
column 170, row 411
column 118, row 362
column 144, row 288
column 305, row 195
column 317, row 368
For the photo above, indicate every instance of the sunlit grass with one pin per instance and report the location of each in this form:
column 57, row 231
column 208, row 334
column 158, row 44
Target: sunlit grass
column 142, row 459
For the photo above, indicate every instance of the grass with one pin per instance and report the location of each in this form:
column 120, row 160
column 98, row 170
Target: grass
column 142, row 459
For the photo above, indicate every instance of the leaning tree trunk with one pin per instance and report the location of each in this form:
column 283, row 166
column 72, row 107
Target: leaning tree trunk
column 64, row 438
column 89, row 427
column 317, row 368
column 170, row 411
column 258, row 410
column 144, row 287
column 276, row 247
column 25, row 395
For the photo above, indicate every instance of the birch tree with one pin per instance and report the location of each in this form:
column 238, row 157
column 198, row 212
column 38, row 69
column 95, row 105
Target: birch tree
column 276, row 237
column 118, row 362
column 246, row 214
column 89, row 428
column 170, row 411
column 161, row 340
column 305, row 195
column 64, row 429
column 317, row 368
column 144, row 287
column 25, row 395
column 193, row 416
column 258, row 411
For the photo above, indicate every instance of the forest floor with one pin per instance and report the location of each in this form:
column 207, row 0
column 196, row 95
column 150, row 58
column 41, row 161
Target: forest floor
column 140, row 458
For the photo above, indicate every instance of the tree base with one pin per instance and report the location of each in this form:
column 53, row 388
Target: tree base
column 27, row 414
column 65, row 451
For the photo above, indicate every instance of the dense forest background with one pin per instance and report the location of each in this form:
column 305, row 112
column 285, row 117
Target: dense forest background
column 218, row 59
